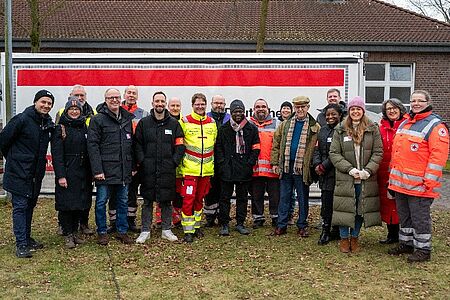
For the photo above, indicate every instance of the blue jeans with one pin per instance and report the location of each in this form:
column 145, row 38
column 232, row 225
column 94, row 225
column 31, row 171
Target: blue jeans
column 22, row 215
column 287, row 184
column 345, row 231
column 104, row 192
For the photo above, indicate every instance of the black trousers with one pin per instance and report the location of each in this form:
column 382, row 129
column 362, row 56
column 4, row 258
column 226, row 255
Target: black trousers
column 241, row 202
column 258, row 188
column 70, row 219
column 326, row 210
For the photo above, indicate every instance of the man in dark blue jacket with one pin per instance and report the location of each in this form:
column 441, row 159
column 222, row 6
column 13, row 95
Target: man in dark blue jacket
column 110, row 153
column 24, row 142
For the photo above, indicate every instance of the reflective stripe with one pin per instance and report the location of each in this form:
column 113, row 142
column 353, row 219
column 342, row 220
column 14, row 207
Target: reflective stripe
column 132, row 209
column 422, row 236
column 435, row 167
column 258, row 170
column 407, row 230
column 406, row 186
column 188, row 223
column 427, row 130
column 198, row 218
column 255, row 217
column 263, row 161
column 405, row 238
column 274, row 216
column 265, row 129
column 420, row 245
column 411, row 132
column 212, row 206
column 432, row 177
column 407, row 176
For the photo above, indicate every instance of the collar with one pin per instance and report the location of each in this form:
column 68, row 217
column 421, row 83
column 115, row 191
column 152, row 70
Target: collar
column 198, row 117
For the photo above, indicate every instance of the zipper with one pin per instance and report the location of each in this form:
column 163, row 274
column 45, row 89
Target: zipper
column 201, row 162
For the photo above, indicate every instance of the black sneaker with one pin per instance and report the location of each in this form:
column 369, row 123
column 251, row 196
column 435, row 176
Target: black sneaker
column 401, row 249
column 225, row 230
column 258, row 224
column 188, row 238
column 34, row 245
column 23, row 252
column 199, row 233
column 419, row 256
column 242, row 230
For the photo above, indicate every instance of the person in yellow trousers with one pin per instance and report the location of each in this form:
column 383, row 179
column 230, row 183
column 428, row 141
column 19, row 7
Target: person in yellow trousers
column 200, row 133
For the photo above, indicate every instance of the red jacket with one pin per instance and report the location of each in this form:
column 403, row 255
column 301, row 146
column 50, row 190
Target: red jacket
column 419, row 154
column 388, row 209
column 265, row 131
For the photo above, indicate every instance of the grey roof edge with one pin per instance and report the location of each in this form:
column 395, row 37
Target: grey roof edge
column 216, row 45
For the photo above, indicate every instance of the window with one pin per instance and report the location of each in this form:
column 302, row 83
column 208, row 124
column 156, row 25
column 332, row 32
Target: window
column 388, row 80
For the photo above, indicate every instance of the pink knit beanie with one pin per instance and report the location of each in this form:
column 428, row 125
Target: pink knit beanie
column 357, row 101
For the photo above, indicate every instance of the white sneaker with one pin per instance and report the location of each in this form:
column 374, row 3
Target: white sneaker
column 145, row 235
column 168, row 235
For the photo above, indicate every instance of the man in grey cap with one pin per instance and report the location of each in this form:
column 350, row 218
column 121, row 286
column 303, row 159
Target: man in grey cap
column 291, row 155
column 237, row 149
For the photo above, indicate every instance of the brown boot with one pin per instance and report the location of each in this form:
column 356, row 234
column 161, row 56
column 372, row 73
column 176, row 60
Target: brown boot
column 103, row 239
column 344, row 245
column 124, row 238
column 78, row 240
column 354, row 245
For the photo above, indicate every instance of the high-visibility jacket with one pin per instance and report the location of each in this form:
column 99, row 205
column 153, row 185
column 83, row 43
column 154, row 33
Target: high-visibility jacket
column 200, row 134
column 138, row 113
column 419, row 153
column 266, row 130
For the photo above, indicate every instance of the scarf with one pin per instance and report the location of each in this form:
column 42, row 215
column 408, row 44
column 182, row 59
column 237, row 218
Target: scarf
column 298, row 164
column 240, row 143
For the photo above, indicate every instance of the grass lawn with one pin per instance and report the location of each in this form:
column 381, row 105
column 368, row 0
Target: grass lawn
column 236, row 267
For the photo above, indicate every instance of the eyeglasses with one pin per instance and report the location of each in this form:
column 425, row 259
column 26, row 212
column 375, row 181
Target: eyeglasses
column 392, row 108
column 79, row 95
column 301, row 106
column 113, row 98
column 74, row 109
column 418, row 101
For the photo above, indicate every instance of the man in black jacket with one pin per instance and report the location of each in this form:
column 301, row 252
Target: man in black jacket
column 159, row 148
column 110, row 153
column 24, row 142
column 237, row 150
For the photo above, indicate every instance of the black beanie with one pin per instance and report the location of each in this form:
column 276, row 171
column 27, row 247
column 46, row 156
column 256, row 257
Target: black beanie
column 235, row 104
column 286, row 103
column 44, row 93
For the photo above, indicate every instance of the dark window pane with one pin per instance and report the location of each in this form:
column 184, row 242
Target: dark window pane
column 400, row 73
column 374, row 94
column 374, row 108
column 402, row 93
column 375, row 72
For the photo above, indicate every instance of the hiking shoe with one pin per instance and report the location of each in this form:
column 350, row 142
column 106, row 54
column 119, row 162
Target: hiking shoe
column 124, row 238
column 143, row 237
column 199, row 233
column 225, row 230
column 401, row 249
column 168, row 235
column 78, row 240
column 103, row 239
column 258, row 224
column 280, row 231
column 188, row 237
column 69, row 242
column 303, row 232
column 84, row 228
column 23, row 252
column 242, row 230
column 60, row 231
column 34, row 245
column 419, row 256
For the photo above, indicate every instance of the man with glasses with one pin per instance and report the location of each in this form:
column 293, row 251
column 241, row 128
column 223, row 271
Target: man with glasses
column 419, row 154
column 291, row 155
column 110, row 153
column 200, row 133
column 212, row 199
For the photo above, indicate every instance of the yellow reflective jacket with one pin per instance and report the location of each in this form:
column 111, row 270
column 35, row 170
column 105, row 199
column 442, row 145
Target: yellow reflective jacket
column 199, row 138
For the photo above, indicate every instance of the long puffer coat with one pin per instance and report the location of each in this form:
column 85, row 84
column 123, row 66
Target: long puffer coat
column 24, row 142
column 71, row 161
column 159, row 149
column 388, row 209
column 322, row 156
column 342, row 155
column 234, row 167
column 110, row 145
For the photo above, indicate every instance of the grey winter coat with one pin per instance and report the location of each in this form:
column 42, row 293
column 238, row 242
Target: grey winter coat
column 342, row 155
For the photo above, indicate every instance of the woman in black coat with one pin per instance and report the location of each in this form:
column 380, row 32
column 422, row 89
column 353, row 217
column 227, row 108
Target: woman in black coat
column 73, row 192
column 325, row 169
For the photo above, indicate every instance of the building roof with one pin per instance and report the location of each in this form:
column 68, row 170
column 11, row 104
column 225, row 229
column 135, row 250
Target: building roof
column 329, row 23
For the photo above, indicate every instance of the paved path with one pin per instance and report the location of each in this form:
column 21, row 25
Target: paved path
column 444, row 201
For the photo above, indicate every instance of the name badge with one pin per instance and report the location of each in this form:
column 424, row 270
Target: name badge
column 128, row 136
column 347, row 138
column 329, row 140
column 168, row 131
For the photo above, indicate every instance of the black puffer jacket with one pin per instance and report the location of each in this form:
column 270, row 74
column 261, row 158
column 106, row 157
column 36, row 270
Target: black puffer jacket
column 70, row 161
column 109, row 145
column 24, row 142
column 159, row 149
column 234, row 167
column 321, row 156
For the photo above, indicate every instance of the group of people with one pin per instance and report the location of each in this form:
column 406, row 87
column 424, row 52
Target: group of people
column 191, row 165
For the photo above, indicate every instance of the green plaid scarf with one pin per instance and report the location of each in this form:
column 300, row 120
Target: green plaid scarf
column 298, row 165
